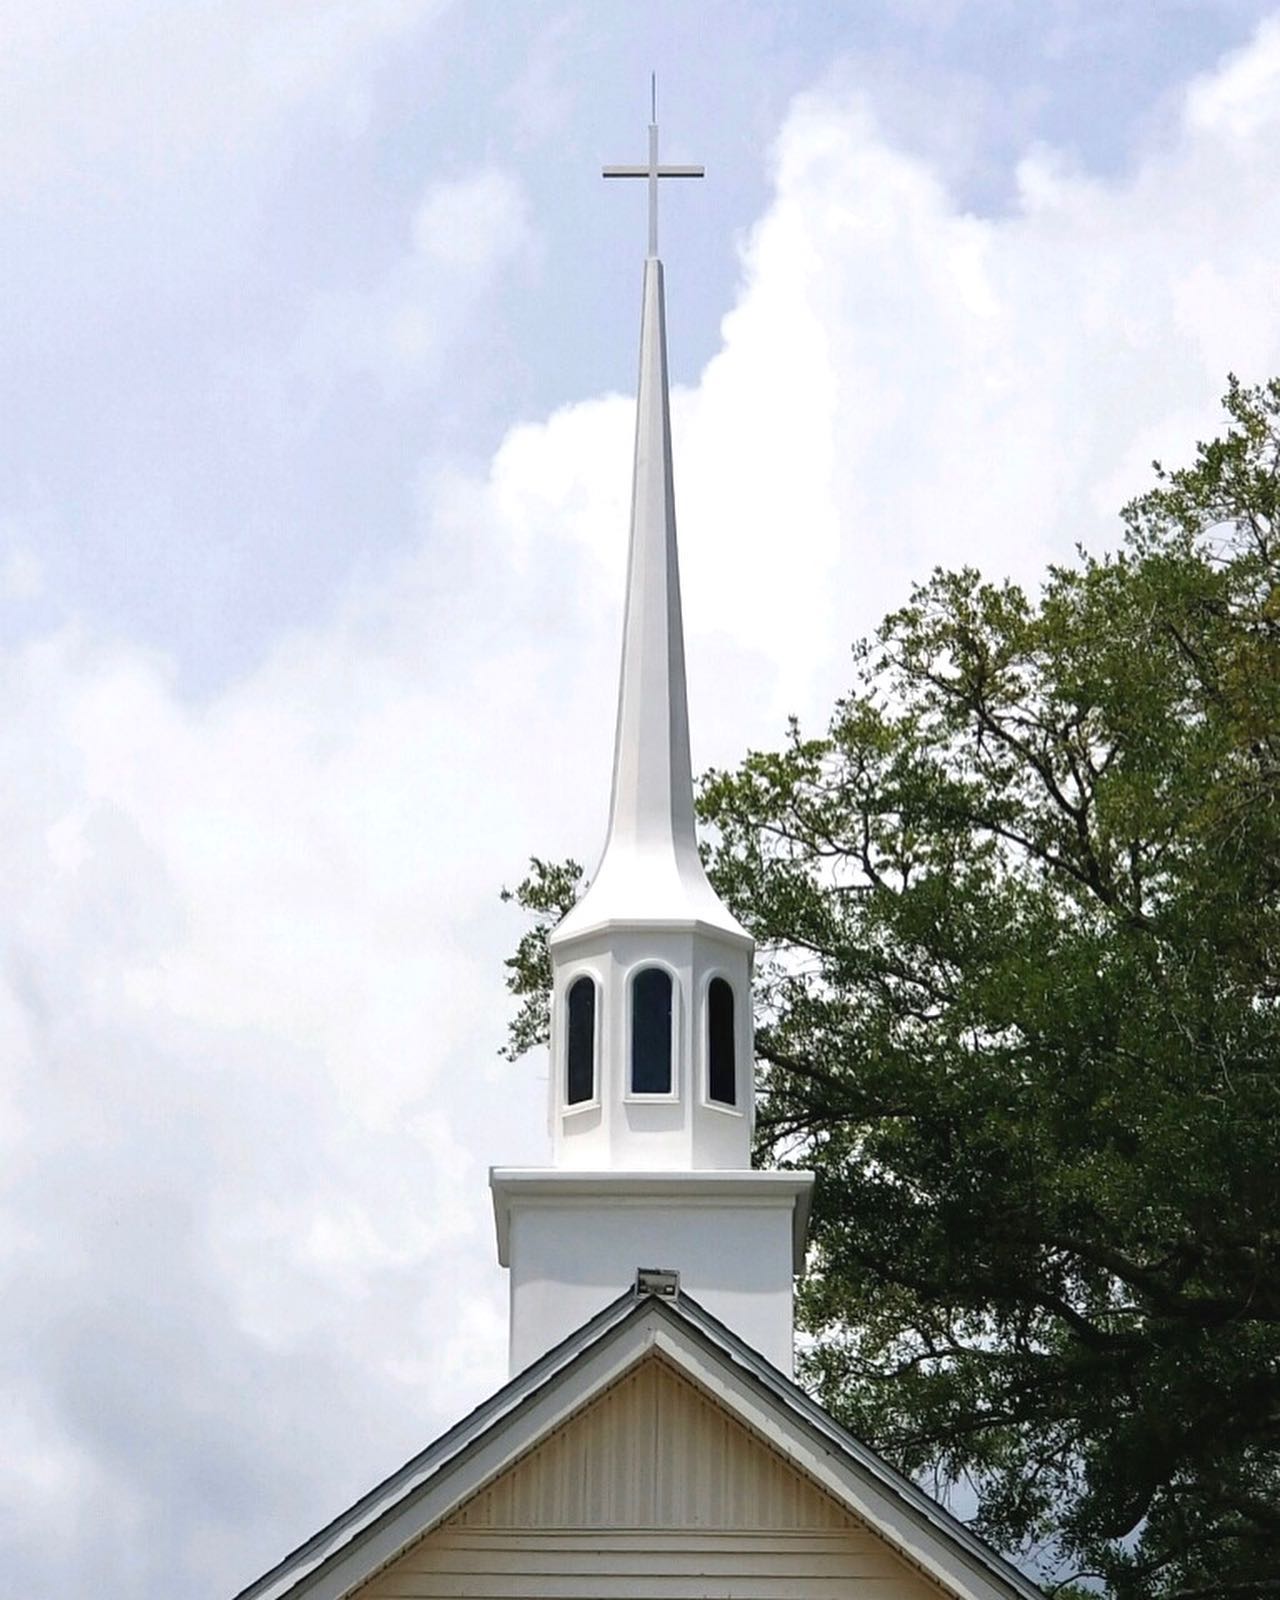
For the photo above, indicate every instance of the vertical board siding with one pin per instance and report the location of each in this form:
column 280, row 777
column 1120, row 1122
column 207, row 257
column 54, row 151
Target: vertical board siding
column 653, row 1492
column 652, row 1453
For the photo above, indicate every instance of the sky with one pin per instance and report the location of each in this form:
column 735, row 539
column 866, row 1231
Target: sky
column 319, row 335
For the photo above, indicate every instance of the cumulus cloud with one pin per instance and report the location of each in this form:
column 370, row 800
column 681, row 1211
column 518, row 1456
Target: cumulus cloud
column 464, row 232
column 902, row 383
column 94, row 90
column 471, row 223
column 246, row 1077
column 250, row 982
column 21, row 574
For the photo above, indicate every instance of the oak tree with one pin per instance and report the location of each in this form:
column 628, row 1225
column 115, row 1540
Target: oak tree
column 1018, row 1005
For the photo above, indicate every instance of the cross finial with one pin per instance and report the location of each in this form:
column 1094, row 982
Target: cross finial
column 653, row 171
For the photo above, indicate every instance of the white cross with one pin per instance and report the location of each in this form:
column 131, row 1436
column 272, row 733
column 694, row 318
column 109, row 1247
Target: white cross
column 653, row 172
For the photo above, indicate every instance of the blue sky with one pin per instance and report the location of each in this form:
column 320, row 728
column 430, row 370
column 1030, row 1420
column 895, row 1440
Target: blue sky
column 192, row 185
column 319, row 327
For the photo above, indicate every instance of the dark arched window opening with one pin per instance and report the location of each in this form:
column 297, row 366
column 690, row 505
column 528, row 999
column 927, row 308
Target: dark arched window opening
column 580, row 1073
column 721, row 1076
column 651, row 1032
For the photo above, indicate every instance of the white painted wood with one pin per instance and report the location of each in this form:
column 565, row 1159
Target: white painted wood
column 573, row 1242
column 680, row 1131
column 649, row 903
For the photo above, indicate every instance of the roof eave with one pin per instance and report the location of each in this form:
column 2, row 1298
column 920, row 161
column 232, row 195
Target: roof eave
column 430, row 1487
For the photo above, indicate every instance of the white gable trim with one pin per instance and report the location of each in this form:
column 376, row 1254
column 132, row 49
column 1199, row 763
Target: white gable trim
column 378, row 1529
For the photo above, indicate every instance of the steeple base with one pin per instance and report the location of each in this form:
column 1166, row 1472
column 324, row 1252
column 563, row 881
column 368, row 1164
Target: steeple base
column 574, row 1240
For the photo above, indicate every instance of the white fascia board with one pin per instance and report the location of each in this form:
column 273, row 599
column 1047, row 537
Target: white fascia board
column 531, row 1186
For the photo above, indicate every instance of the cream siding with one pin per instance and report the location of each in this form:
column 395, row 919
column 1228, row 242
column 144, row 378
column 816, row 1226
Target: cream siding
column 651, row 1493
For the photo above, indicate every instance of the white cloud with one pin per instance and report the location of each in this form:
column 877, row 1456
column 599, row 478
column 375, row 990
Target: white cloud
column 471, row 224
column 21, row 573
column 249, row 990
column 94, row 92
column 246, row 1079
column 464, row 232
column 1240, row 98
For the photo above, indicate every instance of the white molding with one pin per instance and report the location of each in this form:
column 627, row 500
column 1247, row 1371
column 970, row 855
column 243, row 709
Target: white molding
column 560, row 1050
column 560, row 942
column 742, row 1090
column 673, row 1095
column 531, row 1186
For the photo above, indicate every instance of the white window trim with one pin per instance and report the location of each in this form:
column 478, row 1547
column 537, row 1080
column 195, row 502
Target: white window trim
column 572, row 1108
column 737, row 1109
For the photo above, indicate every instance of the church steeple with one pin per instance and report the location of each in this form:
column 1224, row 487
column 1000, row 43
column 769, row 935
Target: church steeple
column 650, row 870
column 652, row 972
column 651, row 1083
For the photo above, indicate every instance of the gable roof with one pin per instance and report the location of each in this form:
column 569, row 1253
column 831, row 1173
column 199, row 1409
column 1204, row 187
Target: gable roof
column 432, row 1485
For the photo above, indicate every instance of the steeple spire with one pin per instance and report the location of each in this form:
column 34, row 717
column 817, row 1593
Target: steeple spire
column 650, row 870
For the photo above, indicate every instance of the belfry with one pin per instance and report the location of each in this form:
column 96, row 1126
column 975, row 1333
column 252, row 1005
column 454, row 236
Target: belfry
column 651, row 1081
column 649, row 1443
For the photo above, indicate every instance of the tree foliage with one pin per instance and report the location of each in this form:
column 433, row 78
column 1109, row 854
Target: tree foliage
column 547, row 892
column 1018, row 914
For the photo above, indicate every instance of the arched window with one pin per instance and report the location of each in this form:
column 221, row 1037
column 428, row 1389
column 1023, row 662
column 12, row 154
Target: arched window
column 651, row 1032
column 721, row 1076
column 580, row 1054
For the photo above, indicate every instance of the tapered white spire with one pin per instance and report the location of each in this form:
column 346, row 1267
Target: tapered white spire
column 650, row 871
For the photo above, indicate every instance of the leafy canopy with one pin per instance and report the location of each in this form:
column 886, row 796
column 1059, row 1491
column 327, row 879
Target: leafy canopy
column 1018, row 914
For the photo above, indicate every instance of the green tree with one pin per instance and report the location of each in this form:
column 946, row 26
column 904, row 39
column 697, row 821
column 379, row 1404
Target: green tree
column 1019, row 925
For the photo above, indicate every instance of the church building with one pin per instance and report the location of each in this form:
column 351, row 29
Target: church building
column 650, row 1442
